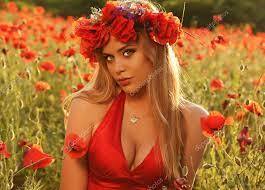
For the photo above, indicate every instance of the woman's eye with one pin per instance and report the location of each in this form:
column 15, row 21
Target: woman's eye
column 129, row 50
column 107, row 58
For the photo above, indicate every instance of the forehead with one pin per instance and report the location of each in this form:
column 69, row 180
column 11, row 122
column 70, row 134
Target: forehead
column 114, row 45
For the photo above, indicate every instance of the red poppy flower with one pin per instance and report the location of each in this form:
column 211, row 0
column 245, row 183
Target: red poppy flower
column 79, row 87
column 3, row 150
column 68, row 53
column 48, row 66
column 12, row 7
column 215, row 121
column 19, row 44
column 35, row 158
column 216, row 84
column 253, row 107
column 39, row 10
column 42, row 86
column 28, row 55
column 244, row 139
column 168, row 27
column 87, row 77
column 92, row 36
column 108, row 12
column 75, row 146
column 123, row 29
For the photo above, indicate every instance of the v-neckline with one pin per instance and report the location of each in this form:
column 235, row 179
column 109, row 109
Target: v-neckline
column 120, row 143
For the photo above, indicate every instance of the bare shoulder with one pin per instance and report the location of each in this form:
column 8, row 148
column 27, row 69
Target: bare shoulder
column 192, row 114
column 192, row 110
column 83, row 115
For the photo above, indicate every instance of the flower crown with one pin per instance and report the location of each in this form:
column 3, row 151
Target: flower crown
column 119, row 18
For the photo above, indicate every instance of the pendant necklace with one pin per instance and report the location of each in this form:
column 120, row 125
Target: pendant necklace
column 135, row 118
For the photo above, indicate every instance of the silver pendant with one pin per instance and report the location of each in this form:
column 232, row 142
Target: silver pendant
column 134, row 119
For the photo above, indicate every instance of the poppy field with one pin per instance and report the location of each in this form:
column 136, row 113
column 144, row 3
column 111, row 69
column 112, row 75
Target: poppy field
column 223, row 69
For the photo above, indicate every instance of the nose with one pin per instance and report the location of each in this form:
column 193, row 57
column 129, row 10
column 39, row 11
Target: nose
column 119, row 66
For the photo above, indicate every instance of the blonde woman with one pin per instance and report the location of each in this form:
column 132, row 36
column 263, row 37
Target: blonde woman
column 140, row 131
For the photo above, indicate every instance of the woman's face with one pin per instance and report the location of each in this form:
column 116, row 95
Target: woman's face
column 127, row 60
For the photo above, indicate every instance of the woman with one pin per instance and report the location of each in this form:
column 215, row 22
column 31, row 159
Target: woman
column 140, row 131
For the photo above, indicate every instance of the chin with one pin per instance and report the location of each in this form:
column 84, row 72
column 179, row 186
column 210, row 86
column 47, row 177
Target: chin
column 128, row 89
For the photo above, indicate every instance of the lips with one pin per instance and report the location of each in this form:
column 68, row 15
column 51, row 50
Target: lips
column 123, row 79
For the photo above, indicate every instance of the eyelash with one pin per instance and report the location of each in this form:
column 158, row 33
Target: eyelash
column 128, row 50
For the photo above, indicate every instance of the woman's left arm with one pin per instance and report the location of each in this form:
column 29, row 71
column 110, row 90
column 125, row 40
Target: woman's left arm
column 194, row 141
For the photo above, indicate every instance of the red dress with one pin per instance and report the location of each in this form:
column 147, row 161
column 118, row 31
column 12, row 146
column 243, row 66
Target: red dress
column 108, row 167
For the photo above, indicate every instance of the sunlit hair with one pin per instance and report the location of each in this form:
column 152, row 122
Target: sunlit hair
column 165, row 91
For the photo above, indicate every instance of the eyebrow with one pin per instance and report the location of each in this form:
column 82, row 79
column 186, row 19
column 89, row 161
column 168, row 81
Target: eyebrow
column 120, row 48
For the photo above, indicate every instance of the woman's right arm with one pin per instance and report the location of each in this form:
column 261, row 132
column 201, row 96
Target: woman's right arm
column 74, row 173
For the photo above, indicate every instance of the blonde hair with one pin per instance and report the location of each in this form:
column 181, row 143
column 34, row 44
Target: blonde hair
column 165, row 92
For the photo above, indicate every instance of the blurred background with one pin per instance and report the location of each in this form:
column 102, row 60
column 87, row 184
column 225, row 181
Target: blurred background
column 197, row 13
column 221, row 55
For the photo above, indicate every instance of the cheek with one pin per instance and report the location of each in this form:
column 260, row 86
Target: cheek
column 142, row 68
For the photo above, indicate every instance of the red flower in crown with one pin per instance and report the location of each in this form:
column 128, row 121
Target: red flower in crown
column 162, row 27
column 119, row 21
column 92, row 36
column 108, row 12
column 123, row 29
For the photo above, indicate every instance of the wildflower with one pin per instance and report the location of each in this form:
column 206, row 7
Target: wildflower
column 216, row 84
column 39, row 10
column 28, row 55
column 68, row 53
column 87, row 77
column 42, row 86
column 35, row 158
column 3, row 150
column 79, row 87
column 48, row 66
column 75, row 146
column 244, row 139
column 253, row 107
column 215, row 121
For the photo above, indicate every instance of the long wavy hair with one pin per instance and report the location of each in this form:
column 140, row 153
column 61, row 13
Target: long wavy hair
column 165, row 91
